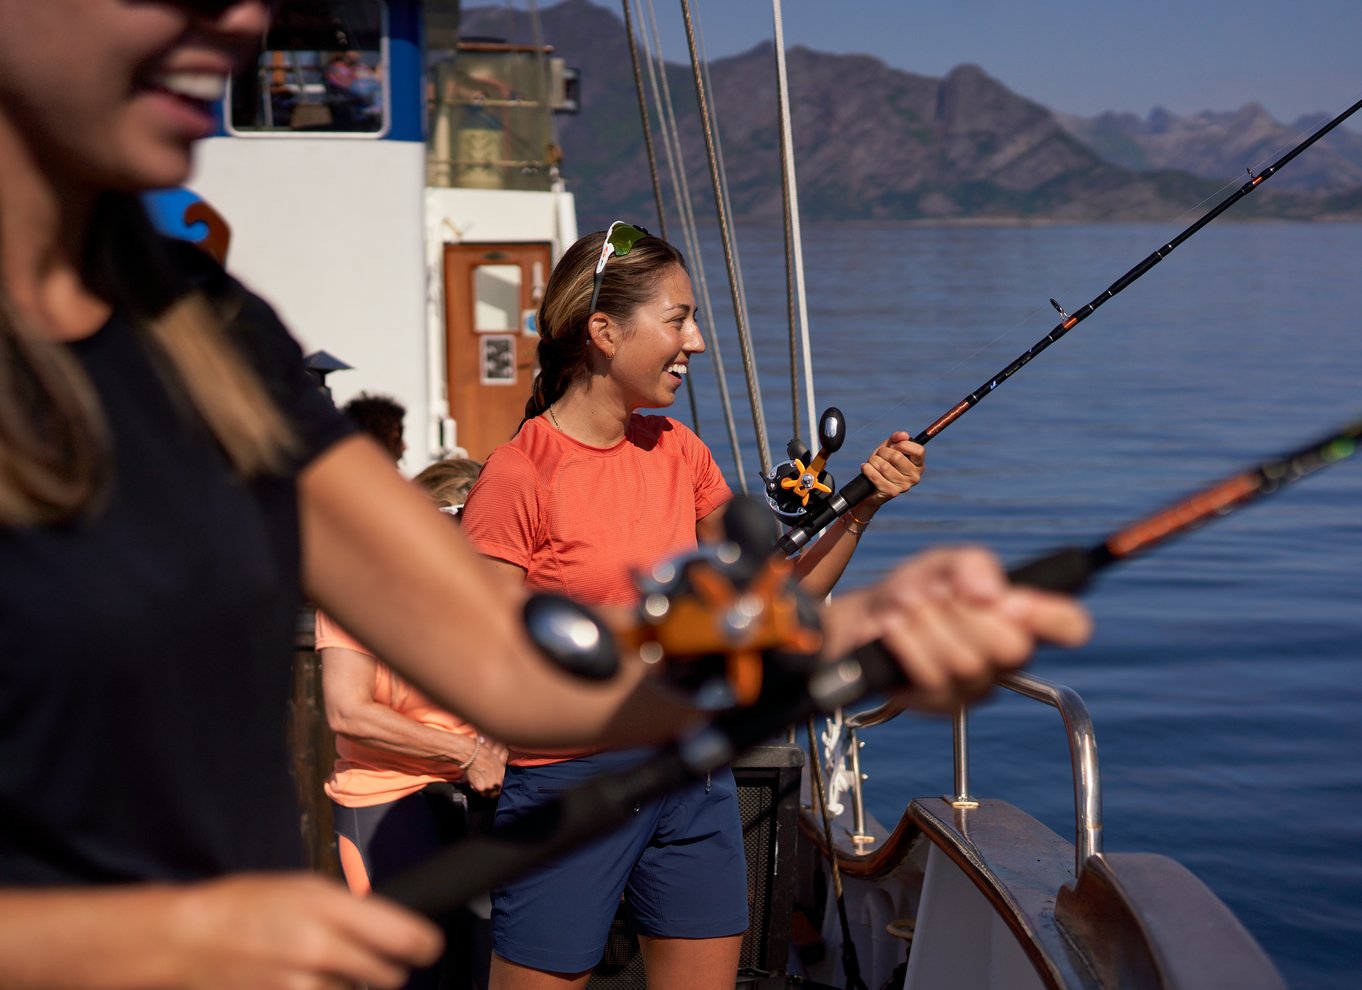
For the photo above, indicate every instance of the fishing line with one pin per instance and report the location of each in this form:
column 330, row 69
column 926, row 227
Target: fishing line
column 685, row 209
column 861, row 487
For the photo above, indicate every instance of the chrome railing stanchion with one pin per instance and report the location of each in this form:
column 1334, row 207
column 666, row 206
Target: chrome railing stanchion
column 859, row 835
column 960, row 738
column 1082, row 754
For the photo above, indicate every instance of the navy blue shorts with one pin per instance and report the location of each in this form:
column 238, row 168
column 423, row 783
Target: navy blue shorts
column 679, row 865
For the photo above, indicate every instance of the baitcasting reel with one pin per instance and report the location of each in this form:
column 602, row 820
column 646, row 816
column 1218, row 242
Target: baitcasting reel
column 720, row 625
column 799, row 486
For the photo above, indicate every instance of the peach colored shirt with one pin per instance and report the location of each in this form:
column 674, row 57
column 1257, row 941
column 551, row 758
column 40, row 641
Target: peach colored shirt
column 366, row 775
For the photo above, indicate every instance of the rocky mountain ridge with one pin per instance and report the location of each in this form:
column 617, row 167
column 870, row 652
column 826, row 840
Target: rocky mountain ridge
column 1218, row 145
column 873, row 142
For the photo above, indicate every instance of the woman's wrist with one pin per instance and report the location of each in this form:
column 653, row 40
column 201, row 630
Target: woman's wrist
column 854, row 522
column 477, row 747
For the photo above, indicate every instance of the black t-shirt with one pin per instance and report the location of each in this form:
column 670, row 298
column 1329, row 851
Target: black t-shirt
column 145, row 653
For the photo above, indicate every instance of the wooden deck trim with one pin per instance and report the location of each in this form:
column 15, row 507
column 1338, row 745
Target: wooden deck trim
column 885, row 856
column 1146, row 920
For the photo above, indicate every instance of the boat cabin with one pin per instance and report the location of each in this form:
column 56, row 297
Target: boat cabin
column 394, row 191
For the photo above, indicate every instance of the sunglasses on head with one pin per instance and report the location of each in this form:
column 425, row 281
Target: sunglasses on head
column 620, row 238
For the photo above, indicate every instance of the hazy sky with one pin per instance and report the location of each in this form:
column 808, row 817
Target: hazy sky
column 1078, row 56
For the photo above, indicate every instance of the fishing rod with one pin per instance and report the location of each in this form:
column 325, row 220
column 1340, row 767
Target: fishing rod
column 753, row 606
column 861, row 487
column 1072, row 569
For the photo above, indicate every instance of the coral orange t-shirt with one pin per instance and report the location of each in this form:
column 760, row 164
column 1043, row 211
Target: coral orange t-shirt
column 365, row 775
column 581, row 520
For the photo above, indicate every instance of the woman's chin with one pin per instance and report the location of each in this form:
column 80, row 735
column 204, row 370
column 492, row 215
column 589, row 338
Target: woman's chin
column 164, row 170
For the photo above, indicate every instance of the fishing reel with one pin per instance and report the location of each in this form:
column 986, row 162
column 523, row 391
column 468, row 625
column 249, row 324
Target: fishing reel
column 800, row 486
column 721, row 625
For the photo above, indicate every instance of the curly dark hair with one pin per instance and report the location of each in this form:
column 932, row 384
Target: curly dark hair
column 381, row 417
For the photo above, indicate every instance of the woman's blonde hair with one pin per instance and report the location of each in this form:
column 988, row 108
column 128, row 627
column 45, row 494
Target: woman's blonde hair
column 627, row 282
column 449, row 481
column 55, row 454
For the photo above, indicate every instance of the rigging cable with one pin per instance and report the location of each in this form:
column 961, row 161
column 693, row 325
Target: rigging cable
column 671, row 143
column 794, row 247
column 717, row 131
column 644, row 119
column 721, row 208
column 860, row 487
column 795, row 294
column 652, row 170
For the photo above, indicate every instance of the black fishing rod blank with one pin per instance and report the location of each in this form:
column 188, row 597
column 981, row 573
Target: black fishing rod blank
column 476, row 864
column 861, row 487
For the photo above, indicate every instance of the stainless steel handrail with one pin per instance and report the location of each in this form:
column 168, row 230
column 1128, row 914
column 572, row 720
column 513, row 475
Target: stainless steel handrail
column 1082, row 754
column 874, row 716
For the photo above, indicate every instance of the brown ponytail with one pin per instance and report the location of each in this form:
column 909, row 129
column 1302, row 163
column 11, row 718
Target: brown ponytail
column 626, row 284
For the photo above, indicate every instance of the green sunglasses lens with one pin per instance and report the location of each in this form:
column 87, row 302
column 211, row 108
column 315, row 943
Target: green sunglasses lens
column 624, row 237
column 620, row 239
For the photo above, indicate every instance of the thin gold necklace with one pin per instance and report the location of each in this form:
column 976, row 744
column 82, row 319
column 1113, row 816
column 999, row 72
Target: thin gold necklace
column 555, row 421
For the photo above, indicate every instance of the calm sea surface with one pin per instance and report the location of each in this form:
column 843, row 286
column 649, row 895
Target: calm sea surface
column 1225, row 678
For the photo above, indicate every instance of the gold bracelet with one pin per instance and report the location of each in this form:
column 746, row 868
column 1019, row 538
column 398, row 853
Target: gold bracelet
column 854, row 526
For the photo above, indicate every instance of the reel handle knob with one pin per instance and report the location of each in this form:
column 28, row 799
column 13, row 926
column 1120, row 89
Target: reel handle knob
column 832, row 430
column 571, row 636
column 749, row 527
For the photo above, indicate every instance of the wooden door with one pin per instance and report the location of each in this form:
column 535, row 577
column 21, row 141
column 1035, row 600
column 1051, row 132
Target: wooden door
column 491, row 293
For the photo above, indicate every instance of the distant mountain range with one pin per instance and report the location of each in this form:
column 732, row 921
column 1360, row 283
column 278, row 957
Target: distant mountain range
column 875, row 142
column 1217, row 145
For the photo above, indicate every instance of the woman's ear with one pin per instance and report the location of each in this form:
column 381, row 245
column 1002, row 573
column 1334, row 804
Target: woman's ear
column 604, row 333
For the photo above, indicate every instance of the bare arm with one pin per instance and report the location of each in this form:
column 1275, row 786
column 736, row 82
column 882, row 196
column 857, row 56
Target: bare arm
column 398, row 576
column 244, row 932
column 510, row 576
column 895, row 467
column 351, row 711
column 393, row 571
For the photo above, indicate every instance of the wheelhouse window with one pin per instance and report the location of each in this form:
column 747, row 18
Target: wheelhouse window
column 491, row 115
column 322, row 71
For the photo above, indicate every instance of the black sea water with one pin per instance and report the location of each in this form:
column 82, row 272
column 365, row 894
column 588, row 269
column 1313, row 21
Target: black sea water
column 1225, row 677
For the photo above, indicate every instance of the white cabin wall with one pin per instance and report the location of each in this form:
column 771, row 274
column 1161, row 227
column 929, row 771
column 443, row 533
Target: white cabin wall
column 491, row 215
column 330, row 231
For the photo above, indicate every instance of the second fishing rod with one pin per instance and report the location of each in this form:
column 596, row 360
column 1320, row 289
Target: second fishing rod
column 861, row 487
